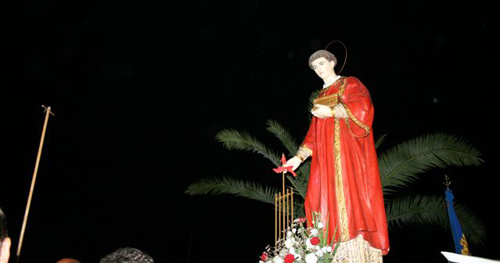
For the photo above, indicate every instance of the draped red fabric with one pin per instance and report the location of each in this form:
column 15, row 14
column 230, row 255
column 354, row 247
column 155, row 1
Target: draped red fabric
column 344, row 182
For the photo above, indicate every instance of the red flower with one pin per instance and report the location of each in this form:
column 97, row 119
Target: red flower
column 283, row 168
column 264, row 256
column 315, row 241
column 289, row 258
column 301, row 220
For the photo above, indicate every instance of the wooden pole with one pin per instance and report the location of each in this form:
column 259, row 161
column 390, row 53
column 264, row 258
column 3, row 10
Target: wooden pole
column 292, row 215
column 33, row 180
column 288, row 208
column 275, row 220
column 280, row 203
column 283, row 212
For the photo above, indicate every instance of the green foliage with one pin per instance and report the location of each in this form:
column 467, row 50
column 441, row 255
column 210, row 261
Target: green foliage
column 380, row 140
column 399, row 167
column 235, row 140
column 227, row 185
column 421, row 210
column 415, row 210
column 313, row 96
column 283, row 135
column 472, row 226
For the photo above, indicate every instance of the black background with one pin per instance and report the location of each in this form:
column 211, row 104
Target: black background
column 140, row 89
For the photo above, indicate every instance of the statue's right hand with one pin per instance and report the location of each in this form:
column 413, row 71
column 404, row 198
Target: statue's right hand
column 294, row 162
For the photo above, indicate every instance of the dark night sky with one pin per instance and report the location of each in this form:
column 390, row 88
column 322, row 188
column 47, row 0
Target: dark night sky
column 139, row 90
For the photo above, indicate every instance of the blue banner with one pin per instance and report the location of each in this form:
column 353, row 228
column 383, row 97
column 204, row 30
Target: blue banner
column 461, row 246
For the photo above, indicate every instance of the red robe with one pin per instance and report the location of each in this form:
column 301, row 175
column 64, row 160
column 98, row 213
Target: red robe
column 344, row 183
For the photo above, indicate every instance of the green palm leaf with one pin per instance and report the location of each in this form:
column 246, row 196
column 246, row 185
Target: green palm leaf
column 283, row 135
column 227, row 185
column 235, row 140
column 421, row 210
column 401, row 165
column 250, row 190
column 415, row 210
column 472, row 225
column 380, row 140
column 312, row 97
column 300, row 182
column 299, row 186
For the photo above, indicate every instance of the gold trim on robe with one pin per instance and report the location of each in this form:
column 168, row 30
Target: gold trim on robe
column 355, row 120
column 350, row 114
column 339, row 182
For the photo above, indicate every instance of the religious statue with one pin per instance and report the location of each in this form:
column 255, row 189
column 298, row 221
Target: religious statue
column 344, row 184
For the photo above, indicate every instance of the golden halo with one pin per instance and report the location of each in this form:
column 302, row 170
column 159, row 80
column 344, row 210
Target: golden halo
column 345, row 48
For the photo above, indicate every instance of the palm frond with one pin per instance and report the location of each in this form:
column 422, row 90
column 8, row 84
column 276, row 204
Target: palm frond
column 422, row 210
column 299, row 186
column 416, row 210
column 250, row 190
column 227, row 185
column 401, row 165
column 300, row 182
column 472, row 225
column 283, row 135
column 380, row 140
column 313, row 96
column 235, row 140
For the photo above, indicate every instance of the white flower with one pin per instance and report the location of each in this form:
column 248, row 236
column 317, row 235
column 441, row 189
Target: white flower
column 314, row 232
column 311, row 258
column 277, row 259
column 320, row 225
column 292, row 250
column 328, row 249
column 319, row 253
column 289, row 243
column 294, row 230
column 309, row 246
column 289, row 234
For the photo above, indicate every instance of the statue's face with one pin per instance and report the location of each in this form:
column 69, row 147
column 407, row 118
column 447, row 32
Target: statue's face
column 323, row 67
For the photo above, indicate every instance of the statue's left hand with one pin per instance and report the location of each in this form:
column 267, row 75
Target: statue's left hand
column 340, row 112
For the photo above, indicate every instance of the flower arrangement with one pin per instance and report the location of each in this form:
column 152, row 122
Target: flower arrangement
column 301, row 244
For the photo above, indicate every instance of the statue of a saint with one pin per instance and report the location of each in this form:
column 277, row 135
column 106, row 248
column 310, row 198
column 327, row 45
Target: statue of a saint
column 344, row 184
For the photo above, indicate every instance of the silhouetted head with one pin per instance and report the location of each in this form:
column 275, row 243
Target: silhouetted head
column 127, row 255
column 4, row 239
column 68, row 260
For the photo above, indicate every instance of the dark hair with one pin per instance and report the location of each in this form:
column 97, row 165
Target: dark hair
column 322, row 54
column 127, row 255
column 3, row 227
